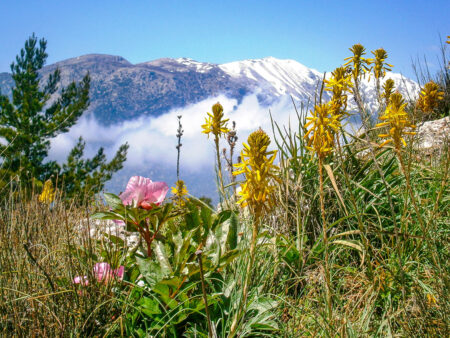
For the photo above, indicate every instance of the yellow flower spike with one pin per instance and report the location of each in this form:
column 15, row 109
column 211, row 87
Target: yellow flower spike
column 388, row 89
column 258, row 189
column 214, row 123
column 429, row 97
column 398, row 121
column 323, row 126
column 180, row 192
column 358, row 61
column 339, row 84
column 380, row 67
column 48, row 193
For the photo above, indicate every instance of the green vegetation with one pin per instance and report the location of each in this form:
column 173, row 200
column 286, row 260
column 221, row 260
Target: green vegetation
column 346, row 236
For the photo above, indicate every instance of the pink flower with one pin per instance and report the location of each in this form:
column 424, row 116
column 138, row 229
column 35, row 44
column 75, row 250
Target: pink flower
column 81, row 280
column 103, row 273
column 144, row 192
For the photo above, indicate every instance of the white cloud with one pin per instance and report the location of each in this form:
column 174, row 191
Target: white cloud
column 153, row 140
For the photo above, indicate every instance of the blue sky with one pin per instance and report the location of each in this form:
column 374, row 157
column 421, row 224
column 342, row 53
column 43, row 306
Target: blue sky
column 316, row 33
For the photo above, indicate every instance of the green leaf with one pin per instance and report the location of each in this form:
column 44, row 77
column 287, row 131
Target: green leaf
column 108, row 215
column 232, row 237
column 152, row 270
column 221, row 217
column 149, row 306
column 113, row 201
column 115, row 239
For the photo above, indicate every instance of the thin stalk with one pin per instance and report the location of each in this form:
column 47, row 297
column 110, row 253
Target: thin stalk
column 325, row 239
column 219, row 166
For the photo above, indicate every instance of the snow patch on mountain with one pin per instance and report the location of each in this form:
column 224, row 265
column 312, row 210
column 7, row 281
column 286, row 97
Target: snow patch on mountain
column 278, row 77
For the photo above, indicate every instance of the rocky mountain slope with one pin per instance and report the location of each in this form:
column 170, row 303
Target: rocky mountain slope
column 124, row 91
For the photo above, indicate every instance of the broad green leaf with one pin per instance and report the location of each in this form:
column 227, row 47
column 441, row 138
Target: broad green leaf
column 112, row 200
column 108, row 215
column 152, row 270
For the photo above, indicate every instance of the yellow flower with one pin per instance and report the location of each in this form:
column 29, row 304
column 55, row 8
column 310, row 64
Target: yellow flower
column 321, row 129
column 339, row 84
column 359, row 63
column 48, row 193
column 397, row 120
column 257, row 191
column 429, row 97
column 180, row 192
column 380, row 67
column 388, row 89
column 214, row 123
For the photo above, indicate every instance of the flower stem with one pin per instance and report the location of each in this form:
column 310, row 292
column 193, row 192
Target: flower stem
column 219, row 167
column 325, row 240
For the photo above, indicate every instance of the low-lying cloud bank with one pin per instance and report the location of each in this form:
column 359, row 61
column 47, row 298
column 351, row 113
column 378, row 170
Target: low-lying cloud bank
column 152, row 139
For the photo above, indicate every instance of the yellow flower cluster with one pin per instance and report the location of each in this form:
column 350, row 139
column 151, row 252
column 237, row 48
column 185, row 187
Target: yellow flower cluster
column 339, row 85
column 321, row 129
column 429, row 97
column 380, row 67
column 359, row 63
column 48, row 193
column 214, row 123
column 397, row 120
column 388, row 89
column 180, row 192
column 257, row 191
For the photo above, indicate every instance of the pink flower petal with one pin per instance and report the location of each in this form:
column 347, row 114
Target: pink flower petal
column 102, row 271
column 144, row 192
column 156, row 192
column 81, row 280
column 119, row 272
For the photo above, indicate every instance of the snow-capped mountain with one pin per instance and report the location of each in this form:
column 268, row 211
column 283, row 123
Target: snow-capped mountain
column 124, row 91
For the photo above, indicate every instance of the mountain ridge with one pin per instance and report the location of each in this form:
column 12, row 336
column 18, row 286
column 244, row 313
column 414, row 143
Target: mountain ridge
column 123, row 91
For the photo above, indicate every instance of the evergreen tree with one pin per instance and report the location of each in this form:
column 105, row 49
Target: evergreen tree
column 38, row 112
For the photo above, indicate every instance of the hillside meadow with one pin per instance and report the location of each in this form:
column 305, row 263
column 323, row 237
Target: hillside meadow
column 319, row 232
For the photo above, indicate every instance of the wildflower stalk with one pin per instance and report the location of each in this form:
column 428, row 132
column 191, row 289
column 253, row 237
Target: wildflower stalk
column 397, row 120
column 379, row 71
column 178, row 146
column 215, row 124
column 320, row 135
column 325, row 239
column 258, row 194
column 219, row 166
column 359, row 68
column 231, row 139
